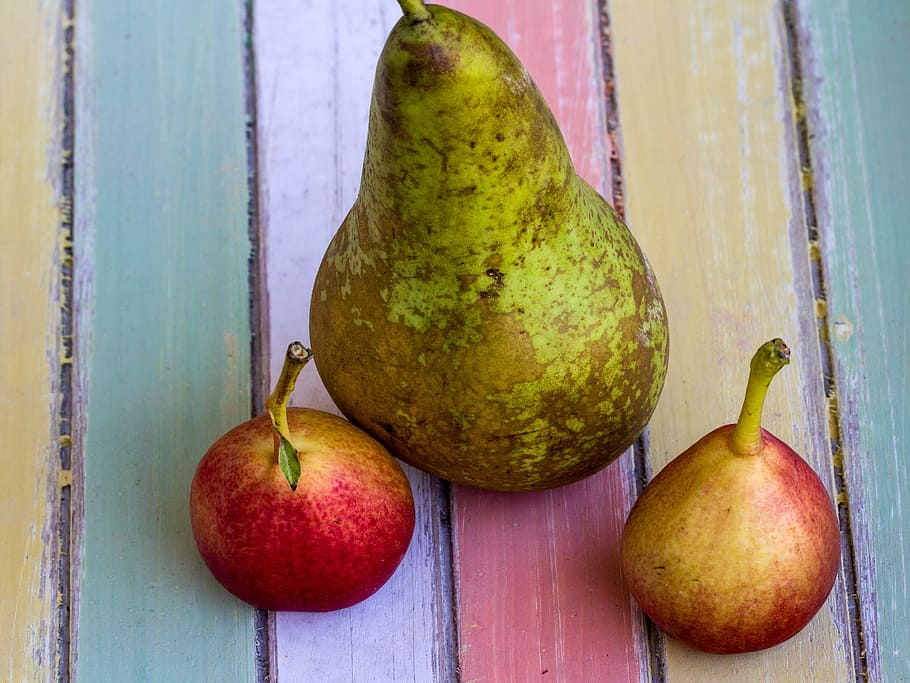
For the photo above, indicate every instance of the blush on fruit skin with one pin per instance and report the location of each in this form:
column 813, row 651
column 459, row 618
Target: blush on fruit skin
column 724, row 575
column 328, row 545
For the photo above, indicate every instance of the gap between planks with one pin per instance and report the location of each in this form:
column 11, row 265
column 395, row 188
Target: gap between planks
column 64, row 546
column 264, row 622
column 652, row 641
column 711, row 195
column 802, row 133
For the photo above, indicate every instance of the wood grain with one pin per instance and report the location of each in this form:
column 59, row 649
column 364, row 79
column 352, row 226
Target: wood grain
column 312, row 106
column 714, row 194
column 31, row 158
column 856, row 73
column 163, row 330
column 539, row 592
column 742, row 239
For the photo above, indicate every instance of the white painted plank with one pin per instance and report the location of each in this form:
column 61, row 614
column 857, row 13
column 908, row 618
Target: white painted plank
column 314, row 72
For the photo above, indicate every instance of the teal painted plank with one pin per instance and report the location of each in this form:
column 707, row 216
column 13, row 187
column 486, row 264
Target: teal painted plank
column 859, row 58
column 163, row 329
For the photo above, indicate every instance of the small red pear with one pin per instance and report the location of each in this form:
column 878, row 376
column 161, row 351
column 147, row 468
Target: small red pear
column 735, row 544
column 299, row 509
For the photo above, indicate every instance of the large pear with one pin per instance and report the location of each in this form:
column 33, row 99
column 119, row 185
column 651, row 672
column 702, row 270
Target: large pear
column 482, row 311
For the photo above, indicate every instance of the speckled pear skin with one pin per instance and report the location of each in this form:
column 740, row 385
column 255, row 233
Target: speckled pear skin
column 482, row 311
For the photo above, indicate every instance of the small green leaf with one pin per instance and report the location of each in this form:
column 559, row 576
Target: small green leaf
column 288, row 462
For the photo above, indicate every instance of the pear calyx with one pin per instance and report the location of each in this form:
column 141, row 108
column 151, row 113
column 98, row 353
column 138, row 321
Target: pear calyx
column 746, row 438
column 415, row 10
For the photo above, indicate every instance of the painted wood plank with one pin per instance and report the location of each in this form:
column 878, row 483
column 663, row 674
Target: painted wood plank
column 163, row 355
column 540, row 596
column 713, row 192
column 314, row 72
column 857, row 60
column 31, row 63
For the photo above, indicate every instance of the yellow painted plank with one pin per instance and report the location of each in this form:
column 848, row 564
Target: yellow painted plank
column 30, row 159
column 713, row 197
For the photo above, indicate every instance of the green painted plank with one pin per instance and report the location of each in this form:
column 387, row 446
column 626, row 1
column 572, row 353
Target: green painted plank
column 163, row 329
column 859, row 57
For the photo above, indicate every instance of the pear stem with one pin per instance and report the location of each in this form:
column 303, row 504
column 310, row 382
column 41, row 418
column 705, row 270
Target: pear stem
column 415, row 10
column 277, row 403
column 746, row 438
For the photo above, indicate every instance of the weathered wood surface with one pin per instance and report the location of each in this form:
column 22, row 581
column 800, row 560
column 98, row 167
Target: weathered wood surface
column 712, row 191
column 32, row 253
column 163, row 332
column 759, row 151
column 858, row 107
column 313, row 97
column 539, row 590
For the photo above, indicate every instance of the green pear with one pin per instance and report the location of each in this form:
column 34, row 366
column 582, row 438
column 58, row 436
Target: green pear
column 735, row 544
column 482, row 311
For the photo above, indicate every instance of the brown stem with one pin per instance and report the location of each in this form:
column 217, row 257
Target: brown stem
column 277, row 404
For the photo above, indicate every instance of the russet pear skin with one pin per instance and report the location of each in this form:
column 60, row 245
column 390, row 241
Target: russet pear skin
column 732, row 553
column 482, row 311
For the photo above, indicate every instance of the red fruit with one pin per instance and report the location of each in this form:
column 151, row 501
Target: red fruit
column 329, row 543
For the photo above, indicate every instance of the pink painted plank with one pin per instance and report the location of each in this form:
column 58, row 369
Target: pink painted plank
column 539, row 586
column 559, row 44
column 539, row 590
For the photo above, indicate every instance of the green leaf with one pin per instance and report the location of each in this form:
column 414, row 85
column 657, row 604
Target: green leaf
column 288, row 462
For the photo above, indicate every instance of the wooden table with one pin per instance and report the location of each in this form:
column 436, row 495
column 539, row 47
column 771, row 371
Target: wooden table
column 170, row 174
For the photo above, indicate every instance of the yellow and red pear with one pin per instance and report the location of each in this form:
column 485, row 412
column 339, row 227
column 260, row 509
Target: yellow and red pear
column 735, row 544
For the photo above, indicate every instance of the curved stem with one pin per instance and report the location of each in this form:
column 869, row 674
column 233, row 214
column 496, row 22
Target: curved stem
column 414, row 10
column 746, row 438
column 277, row 404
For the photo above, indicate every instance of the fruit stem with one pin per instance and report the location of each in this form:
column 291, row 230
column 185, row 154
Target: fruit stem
column 746, row 438
column 414, row 10
column 277, row 404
